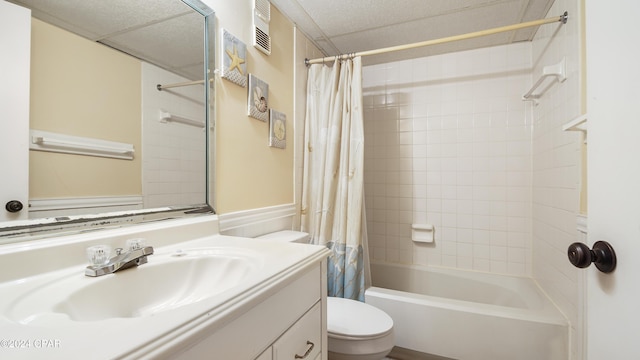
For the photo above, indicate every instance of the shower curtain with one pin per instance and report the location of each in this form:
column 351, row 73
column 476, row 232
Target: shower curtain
column 332, row 189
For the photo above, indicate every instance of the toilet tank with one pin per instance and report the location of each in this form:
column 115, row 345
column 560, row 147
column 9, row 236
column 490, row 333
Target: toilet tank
column 287, row 236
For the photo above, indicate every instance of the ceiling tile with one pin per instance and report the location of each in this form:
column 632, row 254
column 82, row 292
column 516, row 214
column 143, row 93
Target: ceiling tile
column 167, row 33
column 343, row 26
column 344, row 17
column 461, row 22
column 184, row 33
column 92, row 19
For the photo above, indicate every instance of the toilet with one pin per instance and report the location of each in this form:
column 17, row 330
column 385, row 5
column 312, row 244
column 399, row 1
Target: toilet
column 356, row 331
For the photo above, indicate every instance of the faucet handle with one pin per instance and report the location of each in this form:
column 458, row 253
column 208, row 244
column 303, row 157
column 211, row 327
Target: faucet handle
column 135, row 244
column 99, row 255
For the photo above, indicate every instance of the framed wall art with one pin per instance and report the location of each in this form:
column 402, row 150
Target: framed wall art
column 277, row 129
column 234, row 63
column 258, row 99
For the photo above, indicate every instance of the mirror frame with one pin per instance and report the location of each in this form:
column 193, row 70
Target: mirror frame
column 34, row 229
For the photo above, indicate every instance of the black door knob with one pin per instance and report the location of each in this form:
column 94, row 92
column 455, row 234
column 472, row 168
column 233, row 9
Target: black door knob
column 602, row 255
column 13, row 206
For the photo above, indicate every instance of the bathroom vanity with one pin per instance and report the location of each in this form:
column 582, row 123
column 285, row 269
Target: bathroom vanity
column 201, row 295
column 197, row 294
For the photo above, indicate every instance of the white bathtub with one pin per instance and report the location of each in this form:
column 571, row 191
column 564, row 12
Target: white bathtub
column 468, row 315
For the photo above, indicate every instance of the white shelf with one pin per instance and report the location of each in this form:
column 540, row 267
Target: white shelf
column 78, row 145
column 166, row 117
column 577, row 124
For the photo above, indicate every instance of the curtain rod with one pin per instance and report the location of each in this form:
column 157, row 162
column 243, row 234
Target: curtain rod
column 562, row 18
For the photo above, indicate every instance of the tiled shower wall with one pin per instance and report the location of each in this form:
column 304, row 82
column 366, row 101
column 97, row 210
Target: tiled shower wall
column 448, row 143
column 174, row 156
column 557, row 169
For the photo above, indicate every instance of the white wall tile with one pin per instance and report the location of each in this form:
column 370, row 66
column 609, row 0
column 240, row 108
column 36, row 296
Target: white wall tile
column 556, row 168
column 173, row 153
column 470, row 159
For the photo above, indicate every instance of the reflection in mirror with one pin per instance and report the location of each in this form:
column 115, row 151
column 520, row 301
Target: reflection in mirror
column 106, row 146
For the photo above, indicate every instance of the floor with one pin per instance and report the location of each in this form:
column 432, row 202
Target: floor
column 405, row 354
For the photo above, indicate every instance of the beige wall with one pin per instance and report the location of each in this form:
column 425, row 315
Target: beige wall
column 81, row 88
column 249, row 173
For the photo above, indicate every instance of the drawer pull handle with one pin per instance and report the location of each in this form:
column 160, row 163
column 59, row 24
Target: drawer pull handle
column 306, row 353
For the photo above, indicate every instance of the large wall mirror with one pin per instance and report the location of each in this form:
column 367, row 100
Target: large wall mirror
column 120, row 116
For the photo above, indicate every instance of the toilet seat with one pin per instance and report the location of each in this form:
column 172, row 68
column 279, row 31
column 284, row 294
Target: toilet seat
column 351, row 319
column 357, row 330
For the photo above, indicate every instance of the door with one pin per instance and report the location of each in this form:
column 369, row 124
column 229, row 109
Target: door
column 613, row 107
column 15, row 42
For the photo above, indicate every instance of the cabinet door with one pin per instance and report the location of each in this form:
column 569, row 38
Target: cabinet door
column 303, row 340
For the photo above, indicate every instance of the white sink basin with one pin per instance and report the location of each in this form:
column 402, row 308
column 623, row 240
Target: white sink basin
column 166, row 282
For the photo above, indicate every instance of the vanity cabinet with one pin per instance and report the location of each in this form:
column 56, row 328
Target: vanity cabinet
column 204, row 297
column 288, row 321
column 266, row 355
column 303, row 339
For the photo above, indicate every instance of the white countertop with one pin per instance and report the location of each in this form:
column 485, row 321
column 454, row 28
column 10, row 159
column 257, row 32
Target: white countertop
column 159, row 335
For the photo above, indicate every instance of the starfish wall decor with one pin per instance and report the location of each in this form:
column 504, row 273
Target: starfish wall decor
column 234, row 66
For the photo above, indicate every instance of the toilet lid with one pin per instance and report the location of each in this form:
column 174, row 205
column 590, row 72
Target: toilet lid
column 356, row 319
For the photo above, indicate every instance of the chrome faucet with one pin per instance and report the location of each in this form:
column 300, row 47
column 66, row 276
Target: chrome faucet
column 135, row 256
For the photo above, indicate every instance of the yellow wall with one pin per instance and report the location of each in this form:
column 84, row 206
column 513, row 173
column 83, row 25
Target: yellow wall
column 82, row 88
column 249, row 173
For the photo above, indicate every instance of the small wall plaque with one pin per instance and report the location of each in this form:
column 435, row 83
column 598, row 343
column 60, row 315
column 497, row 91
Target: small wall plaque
column 277, row 129
column 234, row 63
column 258, row 99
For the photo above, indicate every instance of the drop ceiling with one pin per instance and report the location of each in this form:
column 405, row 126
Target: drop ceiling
column 167, row 33
column 346, row 26
column 145, row 28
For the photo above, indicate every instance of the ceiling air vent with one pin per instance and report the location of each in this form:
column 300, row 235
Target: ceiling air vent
column 261, row 18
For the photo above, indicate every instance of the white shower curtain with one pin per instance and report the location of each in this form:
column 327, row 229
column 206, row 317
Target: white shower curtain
column 332, row 190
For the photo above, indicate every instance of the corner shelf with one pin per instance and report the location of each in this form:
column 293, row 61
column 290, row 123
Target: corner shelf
column 577, row 124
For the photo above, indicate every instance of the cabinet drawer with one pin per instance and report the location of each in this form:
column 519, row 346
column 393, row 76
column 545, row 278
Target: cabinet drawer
column 303, row 338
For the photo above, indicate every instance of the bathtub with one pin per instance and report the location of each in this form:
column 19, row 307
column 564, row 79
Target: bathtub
column 468, row 315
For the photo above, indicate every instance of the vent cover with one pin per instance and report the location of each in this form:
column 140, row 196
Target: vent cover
column 261, row 18
column 262, row 8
